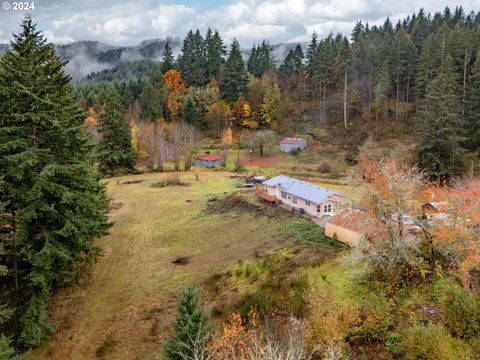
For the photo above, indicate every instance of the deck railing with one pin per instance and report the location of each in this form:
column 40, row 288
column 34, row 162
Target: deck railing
column 263, row 194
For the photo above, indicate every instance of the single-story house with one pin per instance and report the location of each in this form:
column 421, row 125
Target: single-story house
column 292, row 144
column 209, row 160
column 348, row 226
column 304, row 197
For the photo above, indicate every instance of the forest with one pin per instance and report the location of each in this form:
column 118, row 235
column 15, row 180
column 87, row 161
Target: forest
column 419, row 77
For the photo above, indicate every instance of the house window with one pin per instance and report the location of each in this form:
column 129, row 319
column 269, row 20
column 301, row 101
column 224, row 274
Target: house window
column 307, row 203
column 319, row 209
column 283, row 194
column 294, row 200
column 327, row 208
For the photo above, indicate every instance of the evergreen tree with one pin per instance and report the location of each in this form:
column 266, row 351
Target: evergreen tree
column 288, row 65
column 168, row 63
column 53, row 202
column 233, row 82
column 440, row 126
column 261, row 59
column 151, row 105
column 472, row 111
column 190, row 115
column 191, row 328
column 215, row 53
column 115, row 147
column 193, row 60
column 298, row 58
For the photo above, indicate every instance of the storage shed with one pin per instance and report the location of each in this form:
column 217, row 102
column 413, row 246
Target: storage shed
column 209, row 160
column 290, row 144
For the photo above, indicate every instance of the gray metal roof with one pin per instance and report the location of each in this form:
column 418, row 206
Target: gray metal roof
column 302, row 189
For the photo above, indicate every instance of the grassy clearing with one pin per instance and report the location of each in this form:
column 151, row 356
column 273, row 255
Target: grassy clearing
column 130, row 295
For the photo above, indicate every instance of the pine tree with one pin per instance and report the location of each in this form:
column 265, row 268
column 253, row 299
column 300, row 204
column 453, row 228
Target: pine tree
column 193, row 60
column 472, row 111
column 191, row 328
column 215, row 53
column 233, row 82
column 151, row 105
column 115, row 147
column 440, row 126
column 168, row 63
column 190, row 115
column 54, row 204
column 298, row 58
column 261, row 59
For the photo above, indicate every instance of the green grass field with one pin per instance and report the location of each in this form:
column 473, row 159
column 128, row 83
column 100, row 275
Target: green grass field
column 124, row 309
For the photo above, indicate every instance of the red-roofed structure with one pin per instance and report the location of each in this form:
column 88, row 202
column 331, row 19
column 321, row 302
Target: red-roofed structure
column 208, row 160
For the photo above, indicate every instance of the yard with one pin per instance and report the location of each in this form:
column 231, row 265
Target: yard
column 124, row 309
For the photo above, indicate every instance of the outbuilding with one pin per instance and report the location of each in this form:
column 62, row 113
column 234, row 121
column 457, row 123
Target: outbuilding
column 290, row 144
column 209, row 160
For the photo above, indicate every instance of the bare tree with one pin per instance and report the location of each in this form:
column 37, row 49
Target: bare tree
column 183, row 137
column 152, row 140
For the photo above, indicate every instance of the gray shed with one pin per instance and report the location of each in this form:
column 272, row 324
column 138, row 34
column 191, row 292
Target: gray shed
column 293, row 144
column 209, row 160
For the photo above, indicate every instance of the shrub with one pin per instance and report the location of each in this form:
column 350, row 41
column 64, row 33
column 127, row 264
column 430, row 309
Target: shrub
column 300, row 287
column 324, row 168
column 432, row 342
column 351, row 158
column 376, row 318
column 460, row 308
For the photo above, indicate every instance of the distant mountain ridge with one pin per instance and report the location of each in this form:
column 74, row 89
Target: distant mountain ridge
column 90, row 57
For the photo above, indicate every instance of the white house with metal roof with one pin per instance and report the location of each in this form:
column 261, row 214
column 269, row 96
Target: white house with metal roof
column 302, row 196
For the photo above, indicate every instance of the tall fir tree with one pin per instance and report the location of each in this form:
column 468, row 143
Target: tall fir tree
column 115, row 146
column 193, row 60
column 261, row 59
column 472, row 110
column 233, row 82
column 215, row 53
column 191, row 328
column 53, row 201
column 168, row 62
column 440, row 126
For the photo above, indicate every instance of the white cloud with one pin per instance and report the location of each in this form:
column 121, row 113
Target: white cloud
column 66, row 39
column 130, row 22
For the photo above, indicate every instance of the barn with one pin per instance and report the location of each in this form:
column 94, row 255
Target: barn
column 290, row 144
column 209, row 160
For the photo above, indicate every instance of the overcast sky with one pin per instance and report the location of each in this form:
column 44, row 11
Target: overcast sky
column 128, row 22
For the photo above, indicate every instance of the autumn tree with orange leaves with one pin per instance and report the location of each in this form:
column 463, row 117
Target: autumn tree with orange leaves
column 402, row 242
column 174, row 84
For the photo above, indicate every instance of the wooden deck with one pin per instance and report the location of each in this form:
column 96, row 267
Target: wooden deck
column 269, row 198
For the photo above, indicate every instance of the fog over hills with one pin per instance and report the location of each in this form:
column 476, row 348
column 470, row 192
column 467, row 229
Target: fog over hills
column 89, row 57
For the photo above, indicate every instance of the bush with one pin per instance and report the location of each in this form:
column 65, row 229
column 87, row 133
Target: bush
column 432, row 342
column 324, row 168
column 351, row 158
column 300, row 287
column 460, row 308
column 376, row 318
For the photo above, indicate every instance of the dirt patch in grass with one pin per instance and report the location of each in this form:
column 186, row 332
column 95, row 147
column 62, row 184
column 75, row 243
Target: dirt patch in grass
column 114, row 205
column 131, row 182
column 181, row 260
column 239, row 203
column 106, row 347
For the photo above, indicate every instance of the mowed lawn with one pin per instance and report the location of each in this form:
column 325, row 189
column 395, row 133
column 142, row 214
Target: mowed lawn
column 128, row 302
